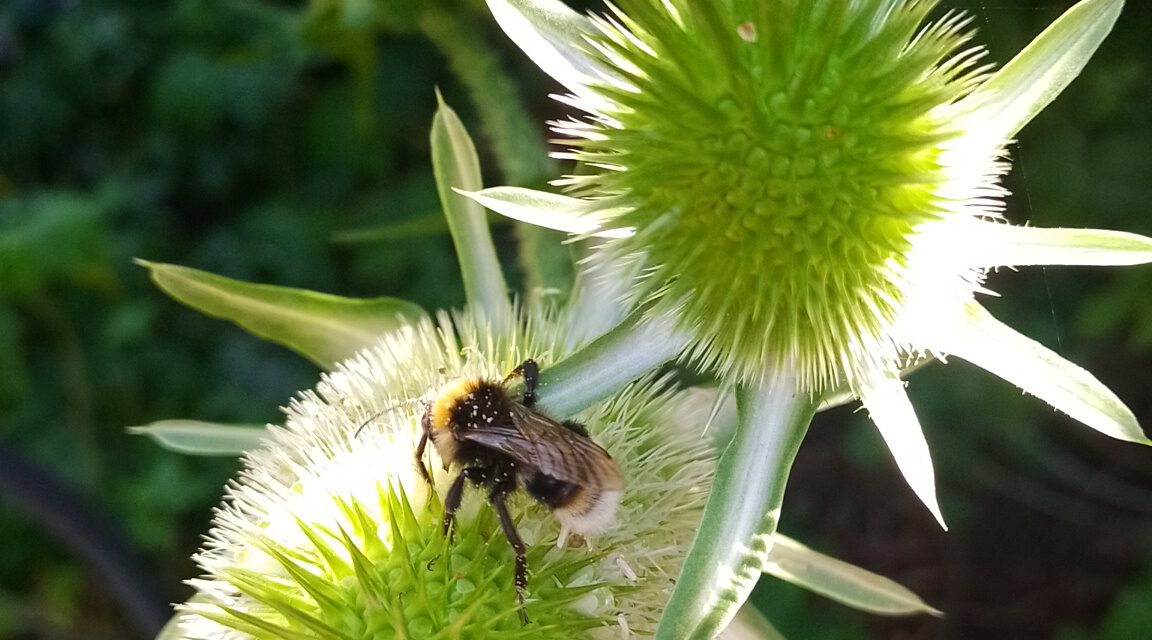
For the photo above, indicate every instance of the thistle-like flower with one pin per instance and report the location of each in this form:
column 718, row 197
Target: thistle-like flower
column 814, row 187
column 331, row 535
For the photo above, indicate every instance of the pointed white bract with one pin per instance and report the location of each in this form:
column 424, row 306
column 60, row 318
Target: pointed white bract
column 550, row 210
column 890, row 409
column 1002, row 105
column 988, row 343
column 1006, row 245
column 840, row 581
column 554, row 37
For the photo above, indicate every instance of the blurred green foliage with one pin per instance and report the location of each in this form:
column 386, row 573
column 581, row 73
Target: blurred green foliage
column 242, row 137
column 218, row 135
column 1128, row 617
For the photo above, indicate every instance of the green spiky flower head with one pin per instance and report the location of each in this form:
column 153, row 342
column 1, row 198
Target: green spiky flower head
column 329, row 534
column 811, row 190
column 775, row 160
column 810, row 186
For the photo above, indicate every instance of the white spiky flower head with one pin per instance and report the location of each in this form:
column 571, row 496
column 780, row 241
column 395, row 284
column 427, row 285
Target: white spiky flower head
column 330, row 535
column 814, row 187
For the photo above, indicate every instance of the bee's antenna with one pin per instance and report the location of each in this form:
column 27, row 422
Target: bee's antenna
column 372, row 418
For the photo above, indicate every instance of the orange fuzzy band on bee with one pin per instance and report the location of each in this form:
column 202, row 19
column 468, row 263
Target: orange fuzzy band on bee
column 441, row 411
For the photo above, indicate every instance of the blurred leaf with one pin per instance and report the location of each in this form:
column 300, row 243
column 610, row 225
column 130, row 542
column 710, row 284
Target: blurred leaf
column 1129, row 616
column 321, row 327
column 846, row 583
column 420, row 226
column 13, row 379
column 61, row 587
column 50, row 238
column 203, row 438
column 1123, row 308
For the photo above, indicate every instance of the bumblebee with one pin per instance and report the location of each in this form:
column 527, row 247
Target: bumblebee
column 501, row 443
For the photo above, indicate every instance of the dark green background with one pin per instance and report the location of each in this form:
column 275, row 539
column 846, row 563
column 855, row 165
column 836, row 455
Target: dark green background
column 243, row 137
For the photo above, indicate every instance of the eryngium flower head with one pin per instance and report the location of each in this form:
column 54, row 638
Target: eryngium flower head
column 813, row 188
column 330, row 535
column 810, row 185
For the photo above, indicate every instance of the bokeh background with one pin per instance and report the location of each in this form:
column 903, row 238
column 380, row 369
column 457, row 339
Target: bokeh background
column 286, row 143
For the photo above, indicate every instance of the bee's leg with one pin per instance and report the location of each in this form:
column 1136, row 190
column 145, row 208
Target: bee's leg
column 497, row 498
column 420, row 458
column 531, row 373
column 452, row 500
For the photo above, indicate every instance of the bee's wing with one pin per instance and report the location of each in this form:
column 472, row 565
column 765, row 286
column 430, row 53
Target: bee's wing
column 555, row 450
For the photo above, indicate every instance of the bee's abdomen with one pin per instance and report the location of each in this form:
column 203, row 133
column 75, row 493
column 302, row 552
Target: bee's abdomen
column 551, row 492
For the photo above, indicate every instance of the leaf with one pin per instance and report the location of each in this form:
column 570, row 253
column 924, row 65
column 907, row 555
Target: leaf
column 422, row 226
column 843, row 582
column 321, row 327
column 457, row 167
column 553, row 37
column 550, row 210
column 740, row 519
column 750, row 624
column 1007, row 245
column 1008, row 100
column 986, row 342
column 892, row 413
column 203, row 438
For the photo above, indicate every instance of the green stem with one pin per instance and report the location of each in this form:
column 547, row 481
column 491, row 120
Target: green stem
column 742, row 513
column 547, row 266
column 516, row 140
column 606, row 365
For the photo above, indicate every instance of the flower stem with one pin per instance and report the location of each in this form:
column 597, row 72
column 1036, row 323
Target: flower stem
column 516, row 141
column 743, row 511
column 606, row 365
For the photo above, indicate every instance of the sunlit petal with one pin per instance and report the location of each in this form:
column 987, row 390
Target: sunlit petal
column 846, row 583
column 550, row 210
column 884, row 397
column 986, row 342
column 1009, row 99
column 1005, row 245
column 553, row 37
